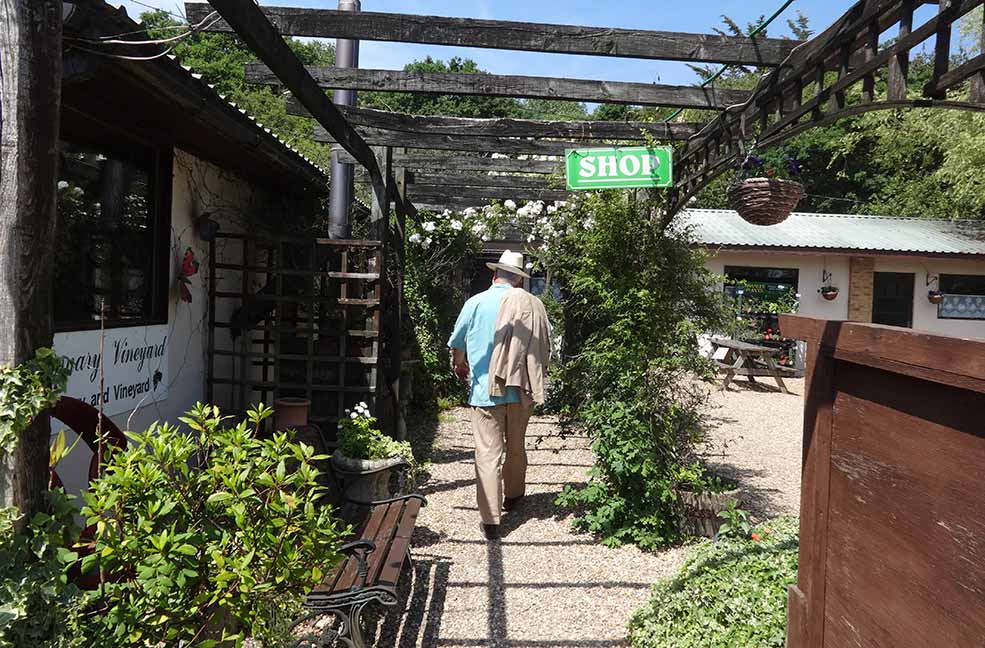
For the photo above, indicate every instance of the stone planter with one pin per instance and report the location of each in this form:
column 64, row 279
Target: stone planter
column 366, row 480
column 700, row 511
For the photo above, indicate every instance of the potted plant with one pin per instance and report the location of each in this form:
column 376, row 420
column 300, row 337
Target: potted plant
column 766, row 189
column 829, row 292
column 365, row 457
column 935, row 296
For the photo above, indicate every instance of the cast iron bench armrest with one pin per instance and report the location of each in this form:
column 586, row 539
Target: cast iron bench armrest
column 402, row 498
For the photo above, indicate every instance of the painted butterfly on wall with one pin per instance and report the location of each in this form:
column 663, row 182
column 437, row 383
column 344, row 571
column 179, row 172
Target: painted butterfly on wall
column 189, row 268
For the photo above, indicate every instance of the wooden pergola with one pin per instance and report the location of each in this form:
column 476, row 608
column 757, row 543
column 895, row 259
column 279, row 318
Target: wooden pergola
column 807, row 84
column 446, row 160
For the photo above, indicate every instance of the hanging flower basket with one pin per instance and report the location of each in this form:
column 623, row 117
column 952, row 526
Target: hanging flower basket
column 830, row 293
column 765, row 201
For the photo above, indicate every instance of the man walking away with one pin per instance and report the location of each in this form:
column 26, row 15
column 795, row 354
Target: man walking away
column 494, row 418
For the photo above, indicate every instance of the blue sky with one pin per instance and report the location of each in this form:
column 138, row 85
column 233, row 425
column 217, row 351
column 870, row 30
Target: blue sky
column 680, row 15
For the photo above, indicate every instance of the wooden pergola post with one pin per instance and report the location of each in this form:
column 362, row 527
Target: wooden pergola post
column 30, row 78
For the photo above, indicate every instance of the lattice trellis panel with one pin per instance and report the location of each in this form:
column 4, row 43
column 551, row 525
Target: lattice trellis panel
column 293, row 317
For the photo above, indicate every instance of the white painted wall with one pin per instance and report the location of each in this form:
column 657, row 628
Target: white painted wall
column 811, row 267
column 197, row 187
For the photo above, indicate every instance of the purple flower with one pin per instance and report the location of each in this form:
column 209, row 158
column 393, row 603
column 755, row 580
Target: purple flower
column 752, row 162
column 794, row 166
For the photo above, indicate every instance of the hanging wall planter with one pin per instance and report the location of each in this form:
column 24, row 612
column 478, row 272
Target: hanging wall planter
column 935, row 296
column 830, row 293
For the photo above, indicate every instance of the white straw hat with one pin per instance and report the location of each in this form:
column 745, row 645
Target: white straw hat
column 510, row 262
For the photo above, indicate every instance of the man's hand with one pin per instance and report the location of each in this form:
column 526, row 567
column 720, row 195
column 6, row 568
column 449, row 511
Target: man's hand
column 459, row 364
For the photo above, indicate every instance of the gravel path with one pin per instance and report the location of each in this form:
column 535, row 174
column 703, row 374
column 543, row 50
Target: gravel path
column 542, row 585
column 756, row 435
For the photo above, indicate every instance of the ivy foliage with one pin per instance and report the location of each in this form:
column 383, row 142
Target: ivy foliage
column 36, row 599
column 211, row 536
column 633, row 298
column 729, row 594
column 221, row 60
column 26, row 391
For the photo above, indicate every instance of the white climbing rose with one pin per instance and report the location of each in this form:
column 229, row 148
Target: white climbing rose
column 509, row 204
column 428, row 226
column 456, row 225
column 414, row 238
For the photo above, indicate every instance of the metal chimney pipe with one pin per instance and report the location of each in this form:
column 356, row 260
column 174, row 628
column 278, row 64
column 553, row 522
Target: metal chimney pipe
column 340, row 198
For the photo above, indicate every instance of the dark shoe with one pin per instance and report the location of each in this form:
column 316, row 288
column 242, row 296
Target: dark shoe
column 491, row 531
column 511, row 503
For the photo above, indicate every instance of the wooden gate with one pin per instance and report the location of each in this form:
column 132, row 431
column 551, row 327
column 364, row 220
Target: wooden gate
column 892, row 546
column 294, row 317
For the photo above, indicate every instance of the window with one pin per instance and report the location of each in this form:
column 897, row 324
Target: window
column 114, row 211
column 761, row 284
column 964, row 297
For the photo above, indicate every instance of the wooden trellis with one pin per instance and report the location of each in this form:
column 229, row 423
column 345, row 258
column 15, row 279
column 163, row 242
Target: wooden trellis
column 303, row 320
column 802, row 94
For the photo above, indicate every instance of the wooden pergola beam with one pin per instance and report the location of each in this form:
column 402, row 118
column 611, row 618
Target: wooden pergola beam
column 500, row 85
column 485, row 180
column 463, row 162
column 505, row 145
column 435, row 193
column 519, row 36
column 508, row 127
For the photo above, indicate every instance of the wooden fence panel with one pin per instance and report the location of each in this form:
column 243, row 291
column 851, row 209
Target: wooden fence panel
column 893, row 492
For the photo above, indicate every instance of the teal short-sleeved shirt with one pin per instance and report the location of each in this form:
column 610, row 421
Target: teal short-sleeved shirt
column 474, row 333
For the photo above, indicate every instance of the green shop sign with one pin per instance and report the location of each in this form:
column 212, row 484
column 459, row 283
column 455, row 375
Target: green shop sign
column 620, row 168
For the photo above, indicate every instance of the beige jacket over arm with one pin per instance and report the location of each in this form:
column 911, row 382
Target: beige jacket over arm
column 521, row 347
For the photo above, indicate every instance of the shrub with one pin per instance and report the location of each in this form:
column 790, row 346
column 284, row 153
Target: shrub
column 36, row 598
column 729, row 594
column 633, row 298
column 210, row 536
column 359, row 438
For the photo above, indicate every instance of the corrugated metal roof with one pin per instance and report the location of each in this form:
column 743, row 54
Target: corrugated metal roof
column 810, row 231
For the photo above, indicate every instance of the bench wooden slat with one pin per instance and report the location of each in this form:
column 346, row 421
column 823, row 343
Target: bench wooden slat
column 383, row 540
column 346, row 574
column 390, row 571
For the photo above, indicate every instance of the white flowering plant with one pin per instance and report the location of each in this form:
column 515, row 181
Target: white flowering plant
column 360, row 438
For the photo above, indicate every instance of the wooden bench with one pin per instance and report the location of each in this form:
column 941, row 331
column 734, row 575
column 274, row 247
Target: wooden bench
column 370, row 571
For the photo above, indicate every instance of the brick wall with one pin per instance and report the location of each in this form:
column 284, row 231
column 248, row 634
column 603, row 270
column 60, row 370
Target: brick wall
column 860, row 289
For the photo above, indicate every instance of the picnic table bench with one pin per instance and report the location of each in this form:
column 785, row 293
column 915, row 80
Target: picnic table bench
column 369, row 572
column 737, row 358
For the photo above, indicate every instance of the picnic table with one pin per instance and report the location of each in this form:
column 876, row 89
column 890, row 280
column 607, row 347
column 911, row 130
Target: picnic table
column 737, row 358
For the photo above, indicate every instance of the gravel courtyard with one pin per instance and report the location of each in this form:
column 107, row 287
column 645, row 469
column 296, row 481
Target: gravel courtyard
column 542, row 585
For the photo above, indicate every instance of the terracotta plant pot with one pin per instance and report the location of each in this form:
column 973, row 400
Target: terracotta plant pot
column 700, row 517
column 829, row 294
column 365, row 480
column 935, row 296
column 290, row 412
column 765, row 201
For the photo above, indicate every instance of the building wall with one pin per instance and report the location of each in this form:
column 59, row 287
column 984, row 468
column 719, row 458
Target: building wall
column 855, row 274
column 810, row 269
column 198, row 187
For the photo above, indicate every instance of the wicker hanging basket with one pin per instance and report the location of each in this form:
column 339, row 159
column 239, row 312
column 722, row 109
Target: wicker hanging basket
column 765, row 201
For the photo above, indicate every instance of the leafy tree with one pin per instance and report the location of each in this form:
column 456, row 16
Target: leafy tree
column 442, row 104
column 553, row 109
column 220, row 59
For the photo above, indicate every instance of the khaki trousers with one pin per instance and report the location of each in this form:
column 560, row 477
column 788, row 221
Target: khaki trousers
column 491, row 426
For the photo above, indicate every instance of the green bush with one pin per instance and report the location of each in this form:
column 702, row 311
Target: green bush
column 633, row 299
column 440, row 248
column 36, row 599
column 729, row 594
column 211, row 535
